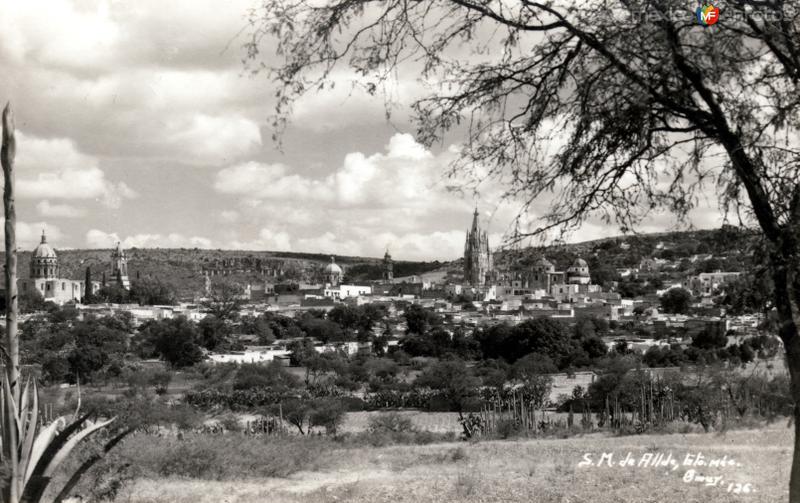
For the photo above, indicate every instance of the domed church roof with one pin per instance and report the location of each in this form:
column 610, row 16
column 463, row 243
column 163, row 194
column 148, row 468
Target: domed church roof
column 44, row 250
column 333, row 268
column 579, row 262
column 579, row 268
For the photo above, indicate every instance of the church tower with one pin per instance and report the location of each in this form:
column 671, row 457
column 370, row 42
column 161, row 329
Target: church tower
column 333, row 273
column 477, row 255
column 44, row 262
column 388, row 267
column 119, row 267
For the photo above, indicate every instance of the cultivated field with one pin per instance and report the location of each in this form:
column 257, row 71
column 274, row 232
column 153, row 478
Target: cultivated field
column 524, row 470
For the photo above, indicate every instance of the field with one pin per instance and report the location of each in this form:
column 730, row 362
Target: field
column 545, row 470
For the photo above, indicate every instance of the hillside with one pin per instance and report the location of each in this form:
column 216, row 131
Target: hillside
column 627, row 251
column 185, row 269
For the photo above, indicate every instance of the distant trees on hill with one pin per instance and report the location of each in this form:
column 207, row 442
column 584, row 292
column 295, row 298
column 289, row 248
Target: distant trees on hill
column 71, row 350
column 545, row 336
column 144, row 291
column 175, row 340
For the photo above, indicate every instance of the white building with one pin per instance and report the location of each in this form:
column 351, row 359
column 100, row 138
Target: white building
column 254, row 355
column 346, row 291
column 44, row 277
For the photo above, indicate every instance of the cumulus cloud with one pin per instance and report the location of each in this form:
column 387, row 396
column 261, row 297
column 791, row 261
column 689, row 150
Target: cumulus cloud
column 397, row 196
column 407, row 175
column 57, row 33
column 267, row 240
column 229, row 216
column 210, row 138
column 96, row 238
column 46, row 209
column 29, row 234
column 270, row 181
column 56, row 169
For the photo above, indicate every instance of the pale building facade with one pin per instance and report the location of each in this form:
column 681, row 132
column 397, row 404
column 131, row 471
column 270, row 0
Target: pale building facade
column 44, row 277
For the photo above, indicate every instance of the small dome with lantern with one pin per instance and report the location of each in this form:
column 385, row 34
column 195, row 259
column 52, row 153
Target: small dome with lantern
column 333, row 273
column 333, row 267
column 44, row 261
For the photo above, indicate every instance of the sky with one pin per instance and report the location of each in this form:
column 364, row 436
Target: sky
column 137, row 122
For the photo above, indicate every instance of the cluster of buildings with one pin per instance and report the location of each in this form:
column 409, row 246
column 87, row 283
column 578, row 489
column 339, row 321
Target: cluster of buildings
column 45, row 278
column 483, row 293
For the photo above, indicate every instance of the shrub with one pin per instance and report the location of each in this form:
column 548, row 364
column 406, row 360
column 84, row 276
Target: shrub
column 160, row 381
column 231, row 423
column 272, row 375
column 327, row 413
column 187, row 461
column 390, row 422
column 220, row 457
column 507, row 428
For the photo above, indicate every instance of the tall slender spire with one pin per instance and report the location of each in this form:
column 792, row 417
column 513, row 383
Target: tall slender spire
column 477, row 255
column 475, row 219
column 44, row 237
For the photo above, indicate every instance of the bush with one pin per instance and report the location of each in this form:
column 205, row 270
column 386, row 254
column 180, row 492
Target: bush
column 231, row 423
column 220, row 457
column 187, row 461
column 384, row 438
column 160, row 381
column 327, row 413
column 507, row 428
column 272, row 375
column 390, row 422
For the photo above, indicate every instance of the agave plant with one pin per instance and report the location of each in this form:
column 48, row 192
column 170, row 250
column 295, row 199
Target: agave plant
column 40, row 448
column 30, row 451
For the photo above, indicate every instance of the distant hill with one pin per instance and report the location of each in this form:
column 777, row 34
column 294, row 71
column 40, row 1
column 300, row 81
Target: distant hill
column 628, row 251
column 185, row 269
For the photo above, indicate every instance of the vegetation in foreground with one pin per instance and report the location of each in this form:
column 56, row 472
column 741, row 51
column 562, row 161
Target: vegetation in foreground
column 202, row 468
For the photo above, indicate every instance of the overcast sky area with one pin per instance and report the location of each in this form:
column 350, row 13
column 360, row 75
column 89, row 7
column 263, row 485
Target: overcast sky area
column 136, row 122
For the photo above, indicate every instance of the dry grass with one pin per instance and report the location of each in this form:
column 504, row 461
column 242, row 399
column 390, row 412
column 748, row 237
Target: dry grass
column 530, row 470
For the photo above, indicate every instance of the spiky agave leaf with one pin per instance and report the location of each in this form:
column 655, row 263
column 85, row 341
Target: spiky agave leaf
column 40, row 444
column 11, row 433
column 88, row 463
column 54, row 453
column 62, row 453
column 40, row 450
column 29, row 429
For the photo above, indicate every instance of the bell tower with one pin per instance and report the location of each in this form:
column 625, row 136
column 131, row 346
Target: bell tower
column 388, row 267
column 119, row 267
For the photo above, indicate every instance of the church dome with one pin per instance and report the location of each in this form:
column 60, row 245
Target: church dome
column 579, row 262
column 44, row 250
column 333, row 268
column 579, row 268
column 544, row 264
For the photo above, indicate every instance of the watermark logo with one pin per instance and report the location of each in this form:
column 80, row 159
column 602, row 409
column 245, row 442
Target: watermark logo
column 707, row 14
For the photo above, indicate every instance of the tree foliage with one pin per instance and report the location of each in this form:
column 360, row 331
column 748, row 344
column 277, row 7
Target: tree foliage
column 676, row 301
column 175, row 340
